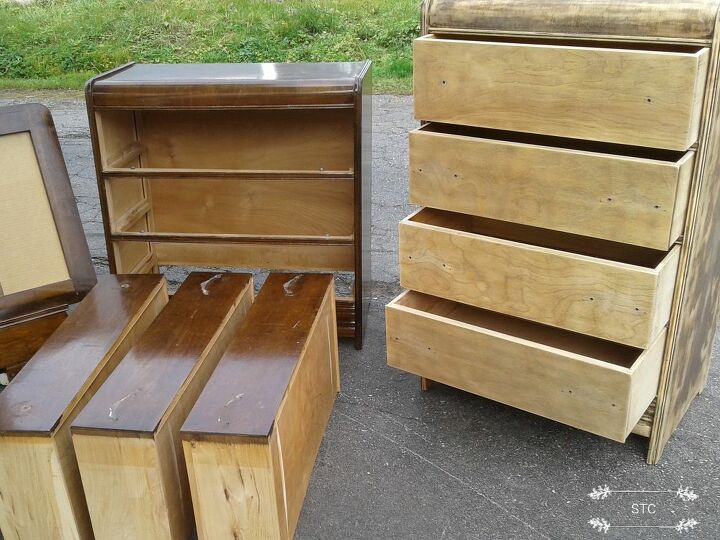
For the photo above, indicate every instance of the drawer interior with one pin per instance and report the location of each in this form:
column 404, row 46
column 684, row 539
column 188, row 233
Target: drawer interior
column 567, row 42
column 566, row 242
column 606, row 351
column 581, row 145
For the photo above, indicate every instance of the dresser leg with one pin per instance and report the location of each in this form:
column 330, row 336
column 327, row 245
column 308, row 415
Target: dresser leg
column 425, row 384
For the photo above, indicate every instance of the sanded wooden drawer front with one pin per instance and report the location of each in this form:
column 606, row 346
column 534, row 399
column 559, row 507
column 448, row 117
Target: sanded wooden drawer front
column 587, row 383
column 612, row 291
column 640, row 97
column 630, row 195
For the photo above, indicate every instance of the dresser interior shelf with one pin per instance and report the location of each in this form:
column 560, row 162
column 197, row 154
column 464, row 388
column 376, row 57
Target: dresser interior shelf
column 237, row 174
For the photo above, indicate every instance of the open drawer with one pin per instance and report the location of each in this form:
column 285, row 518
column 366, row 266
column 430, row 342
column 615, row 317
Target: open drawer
column 650, row 95
column 591, row 384
column 620, row 193
column 604, row 289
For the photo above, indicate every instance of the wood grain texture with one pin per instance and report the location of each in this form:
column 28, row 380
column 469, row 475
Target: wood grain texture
column 485, row 264
column 310, row 207
column 158, row 367
column 590, row 190
column 41, row 396
column 694, row 319
column 654, row 99
column 41, row 495
column 256, row 140
column 126, row 438
column 641, row 20
column 590, row 384
column 266, row 256
column 20, row 341
column 264, row 412
column 46, row 262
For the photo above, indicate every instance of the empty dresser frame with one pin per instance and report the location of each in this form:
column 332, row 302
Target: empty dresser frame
column 45, row 264
column 252, row 437
column 127, row 437
column 41, row 495
column 237, row 165
column 565, row 261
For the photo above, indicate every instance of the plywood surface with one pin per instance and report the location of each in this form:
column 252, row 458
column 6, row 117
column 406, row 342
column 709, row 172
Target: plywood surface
column 558, row 375
column 539, row 182
column 693, row 325
column 637, row 97
column 32, row 255
column 254, row 206
column 267, row 256
column 251, row 140
column 619, row 301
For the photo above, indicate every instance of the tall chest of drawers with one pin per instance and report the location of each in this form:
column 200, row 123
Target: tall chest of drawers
column 565, row 259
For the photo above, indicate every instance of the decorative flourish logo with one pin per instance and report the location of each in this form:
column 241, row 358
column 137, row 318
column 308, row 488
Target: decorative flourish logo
column 602, row 525
column 685, row 494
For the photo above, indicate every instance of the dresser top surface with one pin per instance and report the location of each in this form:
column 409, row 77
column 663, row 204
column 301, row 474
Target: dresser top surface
column 228, row 85
column 654, row 20
column 321, row 74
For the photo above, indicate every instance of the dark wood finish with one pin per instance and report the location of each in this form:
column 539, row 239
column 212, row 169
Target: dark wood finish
column 37, row 399
column 363, row 194
column 255, row 367
column 20, row 341
column 229, row 85
column 146, row 382
column 155, row 91
column 37, row 120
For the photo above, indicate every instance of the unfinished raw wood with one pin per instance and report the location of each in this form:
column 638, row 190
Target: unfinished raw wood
column 251, row 440
column 126, row 438
column 627, row 96
column 611, row 291
column 255, row 255
column 587, row 383
column 693, row 325
column 619, row 193
column 666, row 34
column 237, row 165
column 41, row 494
column 304, row 207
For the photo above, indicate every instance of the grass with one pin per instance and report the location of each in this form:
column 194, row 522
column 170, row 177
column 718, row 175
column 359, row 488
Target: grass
column 55, row 44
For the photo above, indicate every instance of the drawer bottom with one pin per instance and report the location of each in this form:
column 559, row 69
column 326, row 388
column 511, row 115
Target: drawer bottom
column 588, row 383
